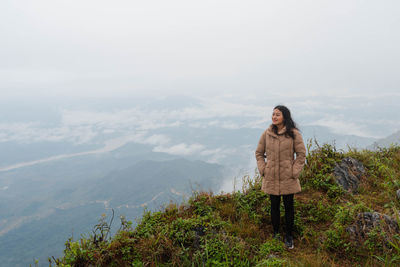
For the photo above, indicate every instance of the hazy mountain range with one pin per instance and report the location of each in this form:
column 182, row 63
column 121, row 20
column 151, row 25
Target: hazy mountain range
column 61, row 168
column 44, row 205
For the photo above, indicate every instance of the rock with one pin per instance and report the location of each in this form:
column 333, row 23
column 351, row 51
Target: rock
column 348, row 174
column 368, row 221
column 199, row 232
column 398, row 193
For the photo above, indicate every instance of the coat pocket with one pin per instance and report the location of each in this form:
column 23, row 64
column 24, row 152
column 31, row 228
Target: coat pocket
column 265, row 170
column 292, row 169
column 268, row 172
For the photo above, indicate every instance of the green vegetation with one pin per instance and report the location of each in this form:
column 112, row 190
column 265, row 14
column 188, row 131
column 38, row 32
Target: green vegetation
column 235, row 229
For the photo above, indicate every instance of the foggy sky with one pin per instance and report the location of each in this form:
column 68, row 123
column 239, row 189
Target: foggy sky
column 107, row 48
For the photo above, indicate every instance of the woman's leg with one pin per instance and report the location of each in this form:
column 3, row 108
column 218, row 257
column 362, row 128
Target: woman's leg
column 275, row 212
column 289, row 213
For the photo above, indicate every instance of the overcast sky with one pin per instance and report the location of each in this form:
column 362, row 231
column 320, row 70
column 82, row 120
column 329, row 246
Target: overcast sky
column 108, row 48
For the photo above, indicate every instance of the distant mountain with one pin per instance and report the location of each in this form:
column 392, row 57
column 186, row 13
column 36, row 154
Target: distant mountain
column 392, row 139
column 325, row 135
column 69, row 196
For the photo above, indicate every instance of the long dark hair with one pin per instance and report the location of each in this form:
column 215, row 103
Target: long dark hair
column 287, row 121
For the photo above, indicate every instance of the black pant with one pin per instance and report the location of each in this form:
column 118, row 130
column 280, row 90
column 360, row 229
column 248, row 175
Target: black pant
column 289, row 212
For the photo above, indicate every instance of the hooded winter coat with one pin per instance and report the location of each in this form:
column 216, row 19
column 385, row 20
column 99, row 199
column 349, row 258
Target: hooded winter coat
column 277, row 164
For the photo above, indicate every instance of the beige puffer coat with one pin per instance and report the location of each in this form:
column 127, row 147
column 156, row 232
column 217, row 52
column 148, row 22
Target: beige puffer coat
column 281, row 170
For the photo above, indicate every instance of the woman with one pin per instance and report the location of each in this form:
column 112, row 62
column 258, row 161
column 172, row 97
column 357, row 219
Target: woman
column 279, row 168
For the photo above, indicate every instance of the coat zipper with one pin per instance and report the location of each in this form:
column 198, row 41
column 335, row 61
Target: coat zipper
column 279, row 166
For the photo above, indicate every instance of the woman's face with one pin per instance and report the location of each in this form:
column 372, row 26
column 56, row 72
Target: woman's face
column 277, row 117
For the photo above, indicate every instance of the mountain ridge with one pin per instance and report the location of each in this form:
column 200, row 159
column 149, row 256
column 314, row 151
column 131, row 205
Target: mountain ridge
column 234, row 229
column 393, row 139
column 75, row 205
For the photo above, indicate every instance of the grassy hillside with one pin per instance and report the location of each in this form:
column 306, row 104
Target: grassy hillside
column 235, row 229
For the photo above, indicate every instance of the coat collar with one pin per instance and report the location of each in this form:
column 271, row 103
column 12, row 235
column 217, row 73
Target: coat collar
column 271, row 132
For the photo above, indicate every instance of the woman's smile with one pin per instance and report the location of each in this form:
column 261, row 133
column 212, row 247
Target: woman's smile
column 277, row 117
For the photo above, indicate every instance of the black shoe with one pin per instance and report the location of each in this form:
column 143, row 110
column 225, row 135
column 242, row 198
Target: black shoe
column 289, row 242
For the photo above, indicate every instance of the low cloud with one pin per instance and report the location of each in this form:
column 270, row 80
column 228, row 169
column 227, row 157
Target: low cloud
column 343, row 127
column 87, row 126
column 343, row 115
column 34, row 132
column 181, row 149
column 157, row 139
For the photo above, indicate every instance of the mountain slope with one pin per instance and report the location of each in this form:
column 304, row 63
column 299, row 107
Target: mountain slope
column 235, row 229
column 393, row 139
column 68, row 207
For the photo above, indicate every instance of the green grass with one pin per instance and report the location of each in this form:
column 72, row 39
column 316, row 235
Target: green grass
column 235, row 229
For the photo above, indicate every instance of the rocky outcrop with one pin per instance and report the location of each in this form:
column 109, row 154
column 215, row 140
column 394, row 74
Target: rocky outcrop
column 368, row 221
column 348, row 174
